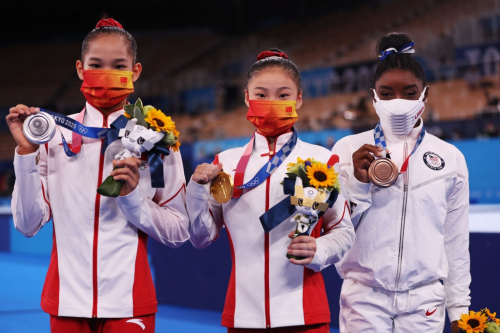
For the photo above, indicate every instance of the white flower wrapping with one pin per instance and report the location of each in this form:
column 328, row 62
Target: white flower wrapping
column 137, row 139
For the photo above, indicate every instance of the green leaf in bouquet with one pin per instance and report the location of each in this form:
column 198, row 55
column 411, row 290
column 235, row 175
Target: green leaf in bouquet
column 492, row 327
column 129, row 109
column 110, row 187
column 170, row 139
column 303, row 176
column 140, row 117
column 139, row 104
column 292, row 175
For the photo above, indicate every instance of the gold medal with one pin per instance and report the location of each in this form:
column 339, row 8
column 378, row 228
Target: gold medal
column 383, row 172
column 222, row 187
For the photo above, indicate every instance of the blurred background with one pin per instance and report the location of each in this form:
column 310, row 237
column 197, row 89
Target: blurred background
column 195, row 57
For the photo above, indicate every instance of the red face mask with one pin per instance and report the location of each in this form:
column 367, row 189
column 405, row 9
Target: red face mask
column 105, row 88
column 272, row 118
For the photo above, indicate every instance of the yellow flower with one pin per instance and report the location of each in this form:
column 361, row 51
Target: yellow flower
column 472, row 322
column 178, row 143
column 299, row 161
column 159, row 121
column 493, row 316
column 127, row 115
column 320, row 175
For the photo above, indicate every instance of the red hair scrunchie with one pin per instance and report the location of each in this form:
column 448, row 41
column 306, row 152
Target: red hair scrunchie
column 267, row 54
column 108, row 23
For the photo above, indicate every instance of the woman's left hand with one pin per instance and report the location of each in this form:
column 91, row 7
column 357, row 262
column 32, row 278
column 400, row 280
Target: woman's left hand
column 128, row 172
column 302, row 246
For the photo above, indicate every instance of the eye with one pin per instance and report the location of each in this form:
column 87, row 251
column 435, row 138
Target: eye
column 140, row 140
column 127, row 133
column 411, row 94
column 261, row 95
column 95, row 66
column 385, row 94
column 284, row 95
column 315, row 205
column 301, row 202
column 120, row 67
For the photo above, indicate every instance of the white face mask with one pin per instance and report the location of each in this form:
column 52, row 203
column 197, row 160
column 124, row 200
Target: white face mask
column 398, row 116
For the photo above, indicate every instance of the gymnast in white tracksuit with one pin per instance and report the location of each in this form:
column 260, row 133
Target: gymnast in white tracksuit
column 413, row 234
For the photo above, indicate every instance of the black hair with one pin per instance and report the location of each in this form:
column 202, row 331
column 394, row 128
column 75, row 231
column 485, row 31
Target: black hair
column 271, row 61
column 404, row 61
column 99, row 31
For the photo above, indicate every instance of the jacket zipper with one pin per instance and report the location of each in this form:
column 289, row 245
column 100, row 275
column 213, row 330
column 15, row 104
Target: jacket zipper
column 266, row 251
column 403, row 215
column 96, row 225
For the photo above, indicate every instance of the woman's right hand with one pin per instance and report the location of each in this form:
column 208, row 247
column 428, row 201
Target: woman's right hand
column 205, row 173
column 362, row 159
column 15, row 120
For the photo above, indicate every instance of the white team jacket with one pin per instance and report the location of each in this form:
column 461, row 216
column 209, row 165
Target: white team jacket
column 417, row 230
column 99, row 266
column 265, row 289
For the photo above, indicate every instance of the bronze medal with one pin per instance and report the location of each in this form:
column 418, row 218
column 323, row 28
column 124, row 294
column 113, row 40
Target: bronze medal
column 222, row 187
column 383, row 172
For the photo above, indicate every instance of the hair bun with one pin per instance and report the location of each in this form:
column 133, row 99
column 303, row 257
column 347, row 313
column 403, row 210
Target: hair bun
column 393, row 40
column 108, row 23
column 271, row 53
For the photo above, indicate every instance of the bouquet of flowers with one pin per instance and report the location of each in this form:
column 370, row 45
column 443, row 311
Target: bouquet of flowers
column 481, row 321
column 147, row 130
column 315, row 182
column 315, row 174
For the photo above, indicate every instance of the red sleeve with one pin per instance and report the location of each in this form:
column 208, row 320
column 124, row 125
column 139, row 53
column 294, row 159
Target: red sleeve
column 216, row 160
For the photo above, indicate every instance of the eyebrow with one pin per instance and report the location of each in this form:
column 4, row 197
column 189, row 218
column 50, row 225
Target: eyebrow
column 405, row 88
column 99, row 59
column 280, row 88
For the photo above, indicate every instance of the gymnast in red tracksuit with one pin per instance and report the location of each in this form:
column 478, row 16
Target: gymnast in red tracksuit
column 268, row 292
column 99, row 278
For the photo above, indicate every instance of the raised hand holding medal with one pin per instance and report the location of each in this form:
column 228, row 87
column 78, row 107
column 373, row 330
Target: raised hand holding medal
column 373, row 163
column 221, row 183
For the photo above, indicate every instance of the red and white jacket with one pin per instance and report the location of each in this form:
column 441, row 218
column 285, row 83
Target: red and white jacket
column 99, row 265
column 265, row 289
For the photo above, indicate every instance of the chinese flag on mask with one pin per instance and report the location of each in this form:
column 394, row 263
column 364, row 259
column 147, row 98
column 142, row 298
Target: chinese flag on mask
column 272, row 118
column 105, row 88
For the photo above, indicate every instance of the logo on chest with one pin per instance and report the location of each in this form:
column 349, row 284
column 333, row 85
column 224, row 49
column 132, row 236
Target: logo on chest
column 433, row 161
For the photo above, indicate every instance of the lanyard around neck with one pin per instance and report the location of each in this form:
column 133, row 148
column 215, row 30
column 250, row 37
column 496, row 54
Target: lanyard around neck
column 378, row 135
column 265, row 171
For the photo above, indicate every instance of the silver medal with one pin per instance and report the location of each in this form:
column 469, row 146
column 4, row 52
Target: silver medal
column 39, row 128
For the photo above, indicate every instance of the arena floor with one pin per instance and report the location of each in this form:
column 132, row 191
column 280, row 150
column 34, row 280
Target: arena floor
column 22, row 277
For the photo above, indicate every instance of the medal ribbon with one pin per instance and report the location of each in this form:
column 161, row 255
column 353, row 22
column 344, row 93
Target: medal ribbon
column 378, row 135
column 78, row 129
column 265, row 171
column 109, row 135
